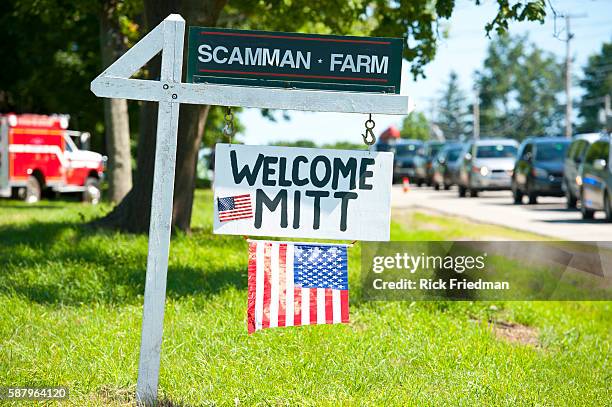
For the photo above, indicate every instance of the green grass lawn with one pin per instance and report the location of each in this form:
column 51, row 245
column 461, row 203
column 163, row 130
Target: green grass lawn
column 72, row 303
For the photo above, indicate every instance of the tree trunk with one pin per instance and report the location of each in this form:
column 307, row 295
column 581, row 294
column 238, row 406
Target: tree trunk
column 134, row 212
column 116, row 118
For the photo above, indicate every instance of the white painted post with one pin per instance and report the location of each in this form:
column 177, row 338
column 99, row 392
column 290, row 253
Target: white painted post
column 161, row 214
column 116, row 82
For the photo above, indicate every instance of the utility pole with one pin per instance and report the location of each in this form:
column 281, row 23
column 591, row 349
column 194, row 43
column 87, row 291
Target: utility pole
column 568, row 70
column 476, row 114
column 568, row 79
column 606, row 114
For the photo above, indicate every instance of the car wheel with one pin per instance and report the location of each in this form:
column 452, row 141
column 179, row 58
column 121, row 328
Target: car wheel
column 446, row 187
column 586, row 212
column 92, row 191
column 461, row 191
column 533, row 196
column 570, row 199
column 517, row 194
column 473, row 193
column 608, row 207
column 436, row 186
column 33, row 190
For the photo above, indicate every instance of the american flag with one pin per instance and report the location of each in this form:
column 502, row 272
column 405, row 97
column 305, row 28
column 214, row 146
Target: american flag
column 292, row 284
column 234, row 207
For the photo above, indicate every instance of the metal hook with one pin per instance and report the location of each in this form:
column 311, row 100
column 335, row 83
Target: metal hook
column 369, row 125
column 229, row 128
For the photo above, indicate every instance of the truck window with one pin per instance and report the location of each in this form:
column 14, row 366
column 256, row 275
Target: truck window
column 70, row 146
column 598, row 151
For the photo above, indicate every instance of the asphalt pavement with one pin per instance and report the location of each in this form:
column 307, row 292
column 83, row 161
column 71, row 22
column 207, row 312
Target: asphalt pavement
column 549, row 217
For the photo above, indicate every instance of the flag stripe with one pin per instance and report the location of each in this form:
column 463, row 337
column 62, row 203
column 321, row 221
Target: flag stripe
column 265, row 323
column 290, row 290
column 329, row 310
column 321, row 305
column 252, row 277
column 337, row 316
column 259, row 253
column 274, row 284
column 231, row 213
column 282, row 285
column 305, row 311
column 236, row 218
column 313, row 306
column 345, row 305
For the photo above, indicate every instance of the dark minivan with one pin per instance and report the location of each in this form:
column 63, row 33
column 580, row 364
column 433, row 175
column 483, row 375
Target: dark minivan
column 538, row 170
column 571, row 169
column 408, row 159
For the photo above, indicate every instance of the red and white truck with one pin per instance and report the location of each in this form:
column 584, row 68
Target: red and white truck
column 37, row 153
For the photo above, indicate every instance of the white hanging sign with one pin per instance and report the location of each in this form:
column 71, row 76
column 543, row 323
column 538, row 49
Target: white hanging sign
column 302, row 192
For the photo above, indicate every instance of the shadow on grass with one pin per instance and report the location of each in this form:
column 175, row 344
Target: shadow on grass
column 70, row 263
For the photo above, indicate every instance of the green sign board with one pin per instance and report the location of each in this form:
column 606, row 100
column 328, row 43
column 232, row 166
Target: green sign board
column 291, row 60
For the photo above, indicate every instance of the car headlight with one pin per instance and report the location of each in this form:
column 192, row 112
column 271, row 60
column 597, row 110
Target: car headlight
column 578, row 180
column 484, row 171
column 540, row 172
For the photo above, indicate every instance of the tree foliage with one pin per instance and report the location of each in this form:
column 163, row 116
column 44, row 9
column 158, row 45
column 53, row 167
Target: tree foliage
column 61, row 48
column 518, row 87
column 452, row 117
column 49, row 54
column 597, row 83
column 415, row 126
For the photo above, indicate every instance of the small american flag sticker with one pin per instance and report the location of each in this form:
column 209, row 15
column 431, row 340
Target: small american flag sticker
column 234, row 207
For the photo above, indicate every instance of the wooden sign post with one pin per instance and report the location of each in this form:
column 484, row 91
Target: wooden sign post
column 170, row 92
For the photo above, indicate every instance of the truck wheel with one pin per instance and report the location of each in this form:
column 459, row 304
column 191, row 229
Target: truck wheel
column 33, row 190
column 92, row 191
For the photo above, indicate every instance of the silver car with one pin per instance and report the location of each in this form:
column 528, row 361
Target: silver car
column 487, row 166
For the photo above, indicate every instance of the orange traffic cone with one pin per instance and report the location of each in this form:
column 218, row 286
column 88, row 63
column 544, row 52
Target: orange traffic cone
column 406, row 184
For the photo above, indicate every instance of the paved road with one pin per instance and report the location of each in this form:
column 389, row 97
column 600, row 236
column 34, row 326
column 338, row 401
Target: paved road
column 549, row 217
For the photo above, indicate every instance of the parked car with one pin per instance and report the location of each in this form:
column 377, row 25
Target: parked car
column 431, row 150
column 408, row 160
column 486, row 166
column 538, row 170
column 446, row 166
column 573, row 158
column 38, row 154
column 596, row 180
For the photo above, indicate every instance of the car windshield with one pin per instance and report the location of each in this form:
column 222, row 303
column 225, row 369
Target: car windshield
column 551, row 151
column 406, row 149
column 453, row 154
column 383, row 147
column 496, row 151
column 434, row 149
